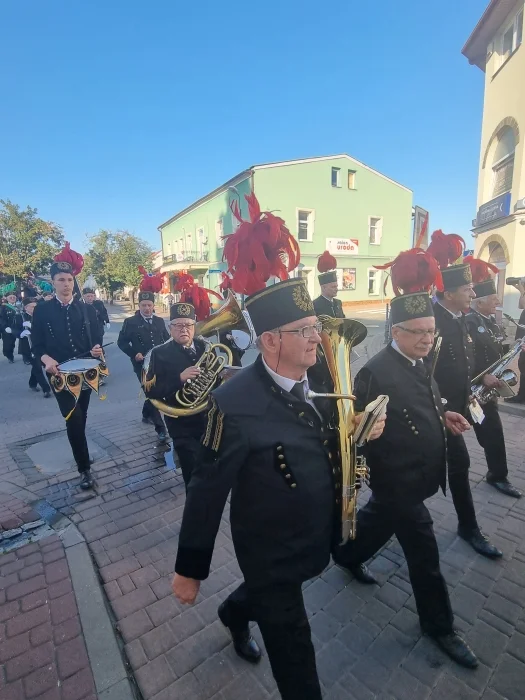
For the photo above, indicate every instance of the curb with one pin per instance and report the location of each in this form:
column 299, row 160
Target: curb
column 513, row 409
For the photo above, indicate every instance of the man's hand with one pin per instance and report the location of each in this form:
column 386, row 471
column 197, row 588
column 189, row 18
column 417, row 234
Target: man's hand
column 189, row 373
column 97, row 351
column 185, row 589
column 456, row 423
column 139, row 357
column 491, row 382
column 8, row 330
column 378, row 428
column 50, row 365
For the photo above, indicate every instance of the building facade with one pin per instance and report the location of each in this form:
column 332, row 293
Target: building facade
column 499, row 227
column 329, row 203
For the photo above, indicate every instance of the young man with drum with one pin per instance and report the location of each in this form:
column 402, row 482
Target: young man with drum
column 62, row 329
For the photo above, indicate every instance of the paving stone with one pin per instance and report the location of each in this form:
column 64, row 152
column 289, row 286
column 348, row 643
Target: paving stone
column 508, row 678
column 403, row 686
column 154, row 676
column 186, row 688
column 516, row 646
column 487, row 642
column 197, row 648
column 333, row 662
column 496, row 622
column 136, row 600
column 425, row 662
column 215, row 673
column 72, row 657
column 392, row 596
column 503, row 608
column 318, row 595
column 378, row 612
column 243, row 687
column 371, row 673
column 324, row 626
column 449, row 687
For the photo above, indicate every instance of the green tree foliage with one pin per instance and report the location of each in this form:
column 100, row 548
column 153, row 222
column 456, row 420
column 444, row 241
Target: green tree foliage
column 27, row 243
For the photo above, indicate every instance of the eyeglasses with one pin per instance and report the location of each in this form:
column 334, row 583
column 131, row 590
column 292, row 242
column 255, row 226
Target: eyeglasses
column 182, row 326
column 420, row 332
column 306, row 331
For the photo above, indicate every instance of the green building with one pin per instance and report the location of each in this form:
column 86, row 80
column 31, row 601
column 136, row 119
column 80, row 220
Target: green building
column 330, row 203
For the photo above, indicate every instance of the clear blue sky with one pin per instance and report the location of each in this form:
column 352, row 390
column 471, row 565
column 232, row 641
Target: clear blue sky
column 118, row 113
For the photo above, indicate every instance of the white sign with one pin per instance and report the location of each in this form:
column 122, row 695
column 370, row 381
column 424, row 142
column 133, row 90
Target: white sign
column 342, row 246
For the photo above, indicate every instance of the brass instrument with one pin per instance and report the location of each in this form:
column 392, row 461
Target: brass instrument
column 499, row 369
column 193, row 397
column 348, row 333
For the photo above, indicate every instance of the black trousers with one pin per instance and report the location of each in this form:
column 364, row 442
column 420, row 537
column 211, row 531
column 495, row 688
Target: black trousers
column 412, row 525
column 76, row 425
column 186, row 448
column 490, row 436
column 8, row 345
column 280, row 613
column 37, row 378
column 458, row 482
column 148, row 409
column 521, row 367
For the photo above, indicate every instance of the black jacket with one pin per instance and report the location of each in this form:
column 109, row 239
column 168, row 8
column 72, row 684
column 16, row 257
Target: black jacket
column 520, row 332
column 102, row 313
column 280, row 462
column 64, row 333
column 408, row 462
column 332, row 308
column 167, row 362
column 136, row 335
column 455, row 364
column 488, row 340
column 8, row 318
column 25, row 343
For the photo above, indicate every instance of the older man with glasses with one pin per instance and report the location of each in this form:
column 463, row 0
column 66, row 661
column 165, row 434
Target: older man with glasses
column 171, row 366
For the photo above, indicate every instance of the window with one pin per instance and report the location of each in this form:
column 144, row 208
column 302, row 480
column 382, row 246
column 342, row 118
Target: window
column 511, row 39
column 336, row 177
column 305, row 224
column 373, row 281
column 375, row 229
column 503, row 162
column 351, row 179
column 219, row 232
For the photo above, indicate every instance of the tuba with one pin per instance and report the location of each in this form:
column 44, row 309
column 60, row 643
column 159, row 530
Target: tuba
column 340, row 336
column 500, row 370
column 193, row 397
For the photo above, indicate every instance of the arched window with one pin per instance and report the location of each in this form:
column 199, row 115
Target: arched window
column 503, row 161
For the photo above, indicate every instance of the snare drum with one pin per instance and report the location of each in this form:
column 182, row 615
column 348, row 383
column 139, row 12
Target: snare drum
column 77, row 374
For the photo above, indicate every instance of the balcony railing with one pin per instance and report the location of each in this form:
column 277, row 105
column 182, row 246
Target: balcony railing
column 189, row 256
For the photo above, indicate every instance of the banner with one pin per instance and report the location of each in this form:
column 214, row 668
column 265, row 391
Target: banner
column 342, row 246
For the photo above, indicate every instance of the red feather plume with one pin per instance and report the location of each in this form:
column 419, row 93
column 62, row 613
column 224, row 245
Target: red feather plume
column 446, row 248
column 261, row 248
column 199, row 297
column 326, row 262
column 226, row 282
column 413, row 271
column 150, row 282
column 72, row 257
column 480, row 269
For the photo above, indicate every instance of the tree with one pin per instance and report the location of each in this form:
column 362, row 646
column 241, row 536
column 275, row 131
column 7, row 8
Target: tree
column 28, row 244
column 113, row 259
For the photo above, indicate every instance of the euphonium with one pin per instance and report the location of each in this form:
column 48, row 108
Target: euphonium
column 193, row 397
column 348, row 333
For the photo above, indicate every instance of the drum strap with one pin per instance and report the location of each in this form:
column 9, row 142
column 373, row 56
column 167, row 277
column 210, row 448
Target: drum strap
column 87, row 322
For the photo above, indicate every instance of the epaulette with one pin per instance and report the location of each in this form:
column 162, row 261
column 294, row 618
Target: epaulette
column 213, row 433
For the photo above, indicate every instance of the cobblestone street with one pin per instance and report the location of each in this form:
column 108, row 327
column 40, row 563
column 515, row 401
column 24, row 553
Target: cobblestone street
column 367, row 638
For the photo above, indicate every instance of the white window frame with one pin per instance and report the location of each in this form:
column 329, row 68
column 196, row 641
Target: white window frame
column 514, row 25
column 338, row 177
column 311, row 224
column 219, row 232
column 377, row 282
column 378, row 229
column 354, row 174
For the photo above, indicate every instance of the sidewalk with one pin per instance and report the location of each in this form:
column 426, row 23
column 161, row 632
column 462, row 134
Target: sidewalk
column 367, row 637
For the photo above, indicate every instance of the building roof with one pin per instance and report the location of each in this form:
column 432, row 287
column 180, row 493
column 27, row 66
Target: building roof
column 277, row 164
column 494, row 16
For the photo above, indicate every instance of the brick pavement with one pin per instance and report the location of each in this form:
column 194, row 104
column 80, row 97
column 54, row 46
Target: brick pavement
column 42, row 650
column 367, row 638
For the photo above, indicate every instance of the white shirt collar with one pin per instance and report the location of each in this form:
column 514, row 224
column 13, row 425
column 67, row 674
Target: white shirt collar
column 62, row 303
column 284, row 382
column 454, row 315
column 396, row 348
column 147, row 318
column 328, row 299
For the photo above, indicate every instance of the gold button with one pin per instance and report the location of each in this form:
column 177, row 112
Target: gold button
column 301, row 414
column 287, row 476
column 325, row 442
column 409, row 422
column 279, row 447
column 413, row 428
column 283, row 466
column 329, row 455
column 280, row 456
column 293, row 485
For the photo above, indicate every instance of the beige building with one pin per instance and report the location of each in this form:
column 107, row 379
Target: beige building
column 495, row 46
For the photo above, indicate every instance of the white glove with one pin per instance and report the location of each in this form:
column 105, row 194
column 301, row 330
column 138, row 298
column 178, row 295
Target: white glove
column 8, row 330
column 108, row 326
column 25, row 334
column 26, row 324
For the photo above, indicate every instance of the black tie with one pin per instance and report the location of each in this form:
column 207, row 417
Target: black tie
column 420, row 368
column 191, row 352
column 298, row 391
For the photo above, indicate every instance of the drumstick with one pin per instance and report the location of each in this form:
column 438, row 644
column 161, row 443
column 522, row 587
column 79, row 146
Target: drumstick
column 82, row 355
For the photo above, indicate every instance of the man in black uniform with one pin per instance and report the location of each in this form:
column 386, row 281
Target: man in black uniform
column 62, row 329
column 453, row 372
column 327, row 304
column 36, row 378
column 408, row 462
column 171, row 366
column 488, row 348
column 520, row 333
column 275, row 449
column 138, row 335
column 8, row 320
column 99, row 306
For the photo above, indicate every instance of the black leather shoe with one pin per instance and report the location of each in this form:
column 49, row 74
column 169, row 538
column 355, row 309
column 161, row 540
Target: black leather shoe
column 243, row 642
column 34, row 388
column 515, row 399
column 458, row 650
column 480, row 543
column 47, row 394
column 361, row 573
column 11, row 362
column 505, row 487
column 162, row 437
column 86, row 480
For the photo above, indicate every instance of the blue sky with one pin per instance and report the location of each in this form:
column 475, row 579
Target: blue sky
column 118, row 113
